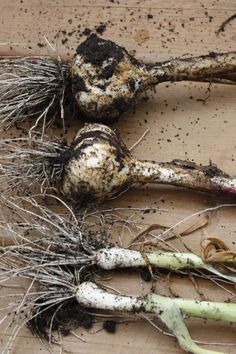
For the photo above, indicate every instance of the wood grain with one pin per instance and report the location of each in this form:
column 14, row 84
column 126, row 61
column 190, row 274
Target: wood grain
column 181, row 126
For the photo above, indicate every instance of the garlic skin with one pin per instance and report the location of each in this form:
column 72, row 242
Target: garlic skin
column 106, row 79
column 98, row 167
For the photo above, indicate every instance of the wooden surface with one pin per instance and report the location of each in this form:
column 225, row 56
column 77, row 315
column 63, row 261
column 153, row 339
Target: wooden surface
column 181, row 126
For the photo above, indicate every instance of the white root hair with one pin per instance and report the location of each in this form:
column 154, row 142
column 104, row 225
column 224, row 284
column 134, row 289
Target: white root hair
column 64, row 242
column 57, row 262
column 27, row 162
column 31, row 87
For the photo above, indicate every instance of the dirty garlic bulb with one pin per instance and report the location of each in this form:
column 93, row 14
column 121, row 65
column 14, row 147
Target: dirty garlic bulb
column 103, row 81
column 97, row 166
column 106, row 79
column 100, row 166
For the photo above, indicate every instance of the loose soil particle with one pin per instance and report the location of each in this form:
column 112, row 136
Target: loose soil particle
column 110, row 326
column 65, row 318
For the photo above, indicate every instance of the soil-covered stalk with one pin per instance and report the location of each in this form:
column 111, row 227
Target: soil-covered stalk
column 194, row 68
column 184, row 174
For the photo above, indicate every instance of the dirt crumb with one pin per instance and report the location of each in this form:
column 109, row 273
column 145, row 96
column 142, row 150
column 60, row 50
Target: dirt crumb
column 110, row 326
column 101, row 28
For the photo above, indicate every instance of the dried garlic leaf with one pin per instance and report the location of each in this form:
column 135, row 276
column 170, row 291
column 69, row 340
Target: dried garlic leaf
column 222, row 257
column 196, row 226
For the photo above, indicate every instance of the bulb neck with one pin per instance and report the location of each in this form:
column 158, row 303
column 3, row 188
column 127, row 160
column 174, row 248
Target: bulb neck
column 194, row 68
column 184, row 174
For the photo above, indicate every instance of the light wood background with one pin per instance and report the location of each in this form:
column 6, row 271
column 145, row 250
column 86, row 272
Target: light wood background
column 180, row 126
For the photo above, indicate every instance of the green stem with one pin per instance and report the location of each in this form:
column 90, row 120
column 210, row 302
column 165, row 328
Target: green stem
column 217, row 311
column 180, row 260
column 114, row 257
column 171, row 313
column 176, row 260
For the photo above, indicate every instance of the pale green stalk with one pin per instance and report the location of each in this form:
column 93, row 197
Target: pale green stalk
column 171, row 311
column 114, row 257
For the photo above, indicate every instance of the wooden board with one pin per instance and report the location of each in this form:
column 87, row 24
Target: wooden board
column 181, row 126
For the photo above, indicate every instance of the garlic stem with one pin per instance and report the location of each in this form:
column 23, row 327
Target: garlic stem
column 184, row 174
column 216, row 311
column 194, row 68
column 114, row 257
